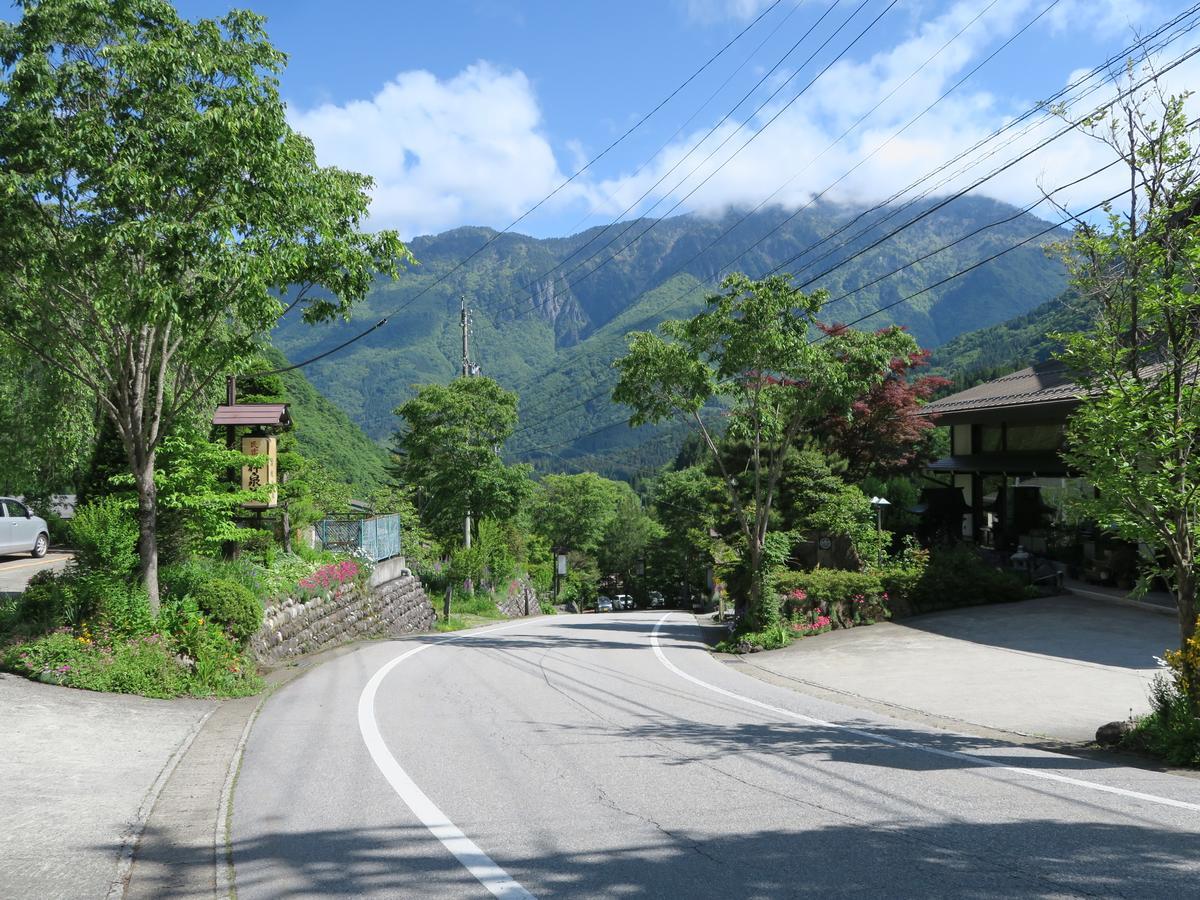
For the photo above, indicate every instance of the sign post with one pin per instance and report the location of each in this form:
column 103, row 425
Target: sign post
column 261, row 474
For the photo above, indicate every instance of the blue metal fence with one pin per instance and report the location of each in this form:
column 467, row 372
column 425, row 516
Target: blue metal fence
column 377, row 536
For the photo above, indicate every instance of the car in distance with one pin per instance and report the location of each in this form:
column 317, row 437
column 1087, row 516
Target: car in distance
column 623, row 601
column 603, row 604
column 657, row 600
column 20, row 530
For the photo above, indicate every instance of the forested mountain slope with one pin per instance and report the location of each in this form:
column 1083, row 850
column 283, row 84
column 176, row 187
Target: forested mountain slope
column 553, row 337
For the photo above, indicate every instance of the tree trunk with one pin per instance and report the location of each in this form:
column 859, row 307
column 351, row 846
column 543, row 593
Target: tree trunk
column 1185, row 603
column 147, row 533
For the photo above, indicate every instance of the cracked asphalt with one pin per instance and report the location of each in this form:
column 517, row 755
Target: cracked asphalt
column 584, row 765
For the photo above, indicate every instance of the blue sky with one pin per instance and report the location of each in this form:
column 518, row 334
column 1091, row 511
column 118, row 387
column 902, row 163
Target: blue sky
column 469, row 111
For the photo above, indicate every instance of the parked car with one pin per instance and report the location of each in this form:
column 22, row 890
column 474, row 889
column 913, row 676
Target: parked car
column 623, row 601
column 20, row 530
column 657, row 600
column 604, row 604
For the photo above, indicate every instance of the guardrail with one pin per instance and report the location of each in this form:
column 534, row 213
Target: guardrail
column 377, row 536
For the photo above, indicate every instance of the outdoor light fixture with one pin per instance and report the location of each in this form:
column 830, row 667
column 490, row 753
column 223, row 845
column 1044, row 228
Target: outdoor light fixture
column 879, row 503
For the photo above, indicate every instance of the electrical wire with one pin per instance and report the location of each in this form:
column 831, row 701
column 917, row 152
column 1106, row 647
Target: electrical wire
column 591, row 162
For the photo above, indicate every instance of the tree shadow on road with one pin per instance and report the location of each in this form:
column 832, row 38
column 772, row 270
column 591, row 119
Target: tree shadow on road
column 1035, row 858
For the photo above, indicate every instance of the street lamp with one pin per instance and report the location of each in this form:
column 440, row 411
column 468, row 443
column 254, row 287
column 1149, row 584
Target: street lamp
column 879, row 503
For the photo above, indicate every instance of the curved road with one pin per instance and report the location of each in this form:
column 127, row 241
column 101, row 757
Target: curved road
column 612, row 756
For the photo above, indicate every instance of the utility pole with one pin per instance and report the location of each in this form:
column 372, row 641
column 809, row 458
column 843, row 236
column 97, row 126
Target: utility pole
column 466, row 371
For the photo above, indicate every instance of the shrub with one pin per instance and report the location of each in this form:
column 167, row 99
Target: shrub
column 105, row 535
column 843, row 598
column 69, row 599
column 746, row 641
column 959, row 576
column 231, row 605
column 140, row 666
column 901, row 575
column 1172, row 730
column 218, row 595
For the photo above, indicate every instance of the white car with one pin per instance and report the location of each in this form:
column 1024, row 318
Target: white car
column 623, row 601
column 20, row 530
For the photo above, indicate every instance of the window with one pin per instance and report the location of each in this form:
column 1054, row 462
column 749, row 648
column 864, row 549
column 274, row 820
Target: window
column 15, row 509
column 1030, row 438
column 991, row 438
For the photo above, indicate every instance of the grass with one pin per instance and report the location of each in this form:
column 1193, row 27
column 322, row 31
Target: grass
column 466, row 620
column 770, row 638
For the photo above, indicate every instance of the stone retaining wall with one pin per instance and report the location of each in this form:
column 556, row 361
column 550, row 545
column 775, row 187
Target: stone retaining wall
column 392, row 607
column 523, row 598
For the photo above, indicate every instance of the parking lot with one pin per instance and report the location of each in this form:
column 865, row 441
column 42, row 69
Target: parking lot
column 15, row 571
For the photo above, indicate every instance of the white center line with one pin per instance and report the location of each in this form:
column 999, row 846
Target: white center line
column 885, row 739
column 478, row 863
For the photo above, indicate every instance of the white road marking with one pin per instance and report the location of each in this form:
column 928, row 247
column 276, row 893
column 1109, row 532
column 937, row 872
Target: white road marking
column 882, row 738
column 478, row 863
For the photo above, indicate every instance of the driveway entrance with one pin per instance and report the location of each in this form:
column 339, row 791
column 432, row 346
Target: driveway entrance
column 15, row 571
column 1057, row 667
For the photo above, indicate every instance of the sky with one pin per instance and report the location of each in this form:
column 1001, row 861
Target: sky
column 469, row 112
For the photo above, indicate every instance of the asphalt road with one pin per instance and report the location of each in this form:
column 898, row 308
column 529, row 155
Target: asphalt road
column 16, row 570
column 590, row 757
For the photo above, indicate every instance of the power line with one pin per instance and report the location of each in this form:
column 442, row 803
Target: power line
column 698, row 144
column 744, row 145
column 905, row 299
column 542, row 422
column 591, row 162
column 1034, row 109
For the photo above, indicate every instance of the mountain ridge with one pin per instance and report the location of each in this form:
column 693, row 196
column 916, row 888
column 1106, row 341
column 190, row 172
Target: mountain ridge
column 554, row 343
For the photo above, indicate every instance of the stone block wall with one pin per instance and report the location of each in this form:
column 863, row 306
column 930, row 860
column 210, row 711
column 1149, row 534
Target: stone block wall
column 521, row 596
column 384, row 607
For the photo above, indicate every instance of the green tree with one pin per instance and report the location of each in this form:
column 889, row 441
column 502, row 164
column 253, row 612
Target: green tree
column 572, row 512
column 628, row 535
column 156, row 208
column 448, row 452
column 683, row 502
column 750, row 350
column 1134, row 434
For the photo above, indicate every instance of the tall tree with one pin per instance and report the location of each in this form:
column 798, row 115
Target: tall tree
column 155, row 207
column 885, row 433
column 1134, row 434
column 448, row 452
column 751, row 350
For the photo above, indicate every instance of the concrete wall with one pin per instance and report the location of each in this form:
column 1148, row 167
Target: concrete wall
column 392, row 603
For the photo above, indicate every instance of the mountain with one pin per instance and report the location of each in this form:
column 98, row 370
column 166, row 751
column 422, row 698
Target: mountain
column 553, row 337
column 988, row 353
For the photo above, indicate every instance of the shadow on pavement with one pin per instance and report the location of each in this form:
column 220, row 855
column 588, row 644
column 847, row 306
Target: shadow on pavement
column 1065, row 627
column 1035, row 858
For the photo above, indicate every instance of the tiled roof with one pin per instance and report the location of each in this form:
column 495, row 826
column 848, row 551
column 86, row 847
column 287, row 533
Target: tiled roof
column 1041, row 384
column 252, row 414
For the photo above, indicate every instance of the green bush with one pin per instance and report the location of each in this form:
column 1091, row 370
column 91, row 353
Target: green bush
column 217, row 663
column 71, row 598
column 233, row 606
column 845, row 597
column 218, row 594
column 104, row 534
column 959, row 576
column 1171, row 731
column 143, row 665
column 746, row 641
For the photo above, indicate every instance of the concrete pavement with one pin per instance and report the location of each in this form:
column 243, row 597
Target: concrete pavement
column 79, row 772
column 590, row 757
column 15, row 571
column 1057, row 667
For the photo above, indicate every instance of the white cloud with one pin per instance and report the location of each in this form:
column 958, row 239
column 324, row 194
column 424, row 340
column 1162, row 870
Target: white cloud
column 470, row 150
column 796, row 150
column 707, row 12
column 442, row 152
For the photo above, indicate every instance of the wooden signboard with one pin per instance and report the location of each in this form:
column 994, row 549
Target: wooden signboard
column 254, row 477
